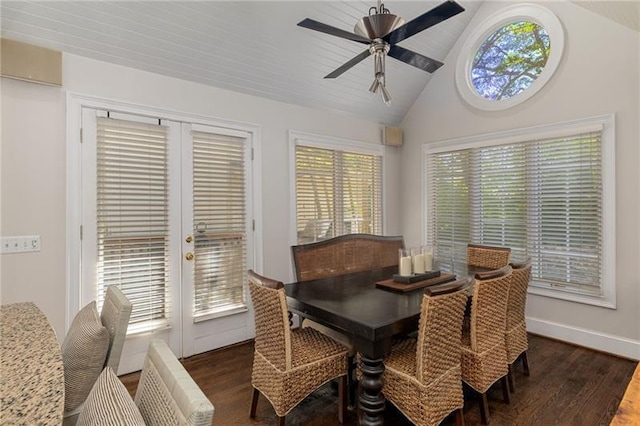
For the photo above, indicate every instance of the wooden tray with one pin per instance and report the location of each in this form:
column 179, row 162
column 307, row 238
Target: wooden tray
column 402, row 288
column 415, row 278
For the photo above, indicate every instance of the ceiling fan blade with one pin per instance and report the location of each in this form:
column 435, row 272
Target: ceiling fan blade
column 412, row 58
column 436, row 15
column 364, row 55
column 328, row 29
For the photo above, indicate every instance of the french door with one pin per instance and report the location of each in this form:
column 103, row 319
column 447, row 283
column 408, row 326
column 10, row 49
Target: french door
column 167, row 216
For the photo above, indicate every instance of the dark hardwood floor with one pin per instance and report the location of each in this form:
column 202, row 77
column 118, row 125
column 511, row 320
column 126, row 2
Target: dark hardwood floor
column 568, row 385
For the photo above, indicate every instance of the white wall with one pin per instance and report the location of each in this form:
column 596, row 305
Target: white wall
column 34, row 169
column 598, row 75
column 33, row 195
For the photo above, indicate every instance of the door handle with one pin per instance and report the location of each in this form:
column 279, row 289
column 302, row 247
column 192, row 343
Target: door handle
column 189, row 256
column 189, row 239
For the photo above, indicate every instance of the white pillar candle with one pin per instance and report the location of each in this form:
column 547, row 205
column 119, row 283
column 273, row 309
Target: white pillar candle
column 428, row 261
column 405, row 266
column 418, row 264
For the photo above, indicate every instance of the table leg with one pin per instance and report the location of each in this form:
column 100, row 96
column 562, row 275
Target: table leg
column 370, row 400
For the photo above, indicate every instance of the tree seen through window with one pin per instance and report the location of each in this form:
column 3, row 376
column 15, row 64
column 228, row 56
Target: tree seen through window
column 510, row 59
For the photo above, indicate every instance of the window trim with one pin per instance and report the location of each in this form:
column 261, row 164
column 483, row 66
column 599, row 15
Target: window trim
column 333, row 143
column 529, row 12
column 606, row 123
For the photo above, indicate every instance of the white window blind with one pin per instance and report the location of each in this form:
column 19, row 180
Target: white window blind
column 543, row 198
column 132, row 216
column 219, row 199
column 337, row 192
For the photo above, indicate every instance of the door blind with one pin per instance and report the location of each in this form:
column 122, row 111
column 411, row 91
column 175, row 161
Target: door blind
column 132, row 216
column 337, row 193
column 542, row 198
column 220, row 221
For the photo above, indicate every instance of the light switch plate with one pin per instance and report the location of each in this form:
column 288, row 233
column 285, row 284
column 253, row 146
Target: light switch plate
column 22, row 244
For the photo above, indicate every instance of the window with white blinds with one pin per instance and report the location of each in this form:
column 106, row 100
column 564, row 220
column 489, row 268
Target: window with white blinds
column 542, row 196
column 219, row 209
column 132, row 216
column 337, row 192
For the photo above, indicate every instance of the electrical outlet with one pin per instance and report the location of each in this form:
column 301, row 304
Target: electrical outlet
column 24, row 244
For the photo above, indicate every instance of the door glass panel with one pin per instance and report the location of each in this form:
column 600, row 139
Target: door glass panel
column 132, row 217
column 219, row 210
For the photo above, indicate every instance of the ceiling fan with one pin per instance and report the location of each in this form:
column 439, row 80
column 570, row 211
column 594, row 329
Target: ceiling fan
column 382, row 30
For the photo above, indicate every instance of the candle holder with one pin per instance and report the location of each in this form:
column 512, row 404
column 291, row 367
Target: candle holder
column 405, row 263
column 417, row 256
column 427, row 253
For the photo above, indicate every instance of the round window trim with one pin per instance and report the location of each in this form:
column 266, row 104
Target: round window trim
column 523, row 12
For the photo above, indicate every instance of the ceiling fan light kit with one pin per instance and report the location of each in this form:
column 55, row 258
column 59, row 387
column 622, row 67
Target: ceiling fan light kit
column 382, row 30
column 379, row 50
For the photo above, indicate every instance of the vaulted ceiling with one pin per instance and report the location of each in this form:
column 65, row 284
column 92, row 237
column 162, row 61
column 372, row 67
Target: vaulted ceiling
column 249, row 47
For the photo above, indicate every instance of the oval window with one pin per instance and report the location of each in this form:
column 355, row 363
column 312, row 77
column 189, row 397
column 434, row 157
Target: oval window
column 509, row 57
column 509, row 60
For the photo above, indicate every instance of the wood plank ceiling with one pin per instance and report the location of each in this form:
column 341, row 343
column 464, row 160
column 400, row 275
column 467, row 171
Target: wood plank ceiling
column 249, row 47
column 253, row 47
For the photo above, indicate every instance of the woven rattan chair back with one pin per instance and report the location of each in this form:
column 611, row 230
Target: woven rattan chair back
column 490, row 257
column 289, row 364
column 440, row 332
column 484, row 354
column 273, row 335
column 423, row 376
column 344, row 255
column 516, row 331
column 489, row 310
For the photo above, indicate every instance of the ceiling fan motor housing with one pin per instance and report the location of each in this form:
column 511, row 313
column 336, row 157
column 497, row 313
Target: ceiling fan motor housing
column 378, row 25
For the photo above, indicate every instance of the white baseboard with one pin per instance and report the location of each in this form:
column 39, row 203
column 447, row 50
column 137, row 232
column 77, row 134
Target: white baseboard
column 616, row 345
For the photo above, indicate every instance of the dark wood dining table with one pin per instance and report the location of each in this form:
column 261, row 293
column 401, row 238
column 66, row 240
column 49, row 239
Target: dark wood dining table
column 371, row 316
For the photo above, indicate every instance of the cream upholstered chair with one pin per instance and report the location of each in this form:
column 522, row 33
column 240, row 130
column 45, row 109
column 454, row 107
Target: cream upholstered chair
column 114, row 317
column 166, row 396
column 484, row 352
column 115, row 314
column 516, row 331
column 423, row 377
column 289, row 364
column 166, row 393
column 490, row 257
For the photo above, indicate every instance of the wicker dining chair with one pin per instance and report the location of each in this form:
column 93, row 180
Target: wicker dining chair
column 490, row 257
column 290, row 364
column 422, row 376
column 516, row 331
column 484, row 352
column 343, row 255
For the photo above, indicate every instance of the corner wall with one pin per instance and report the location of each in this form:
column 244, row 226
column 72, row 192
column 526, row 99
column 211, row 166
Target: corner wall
column 598, row 75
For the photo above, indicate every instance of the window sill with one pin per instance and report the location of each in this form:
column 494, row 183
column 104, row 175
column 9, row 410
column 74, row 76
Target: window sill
column 571, row 295
column 221, row 313
column 148, row 327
